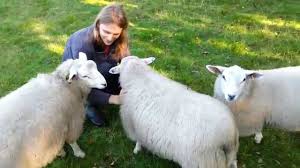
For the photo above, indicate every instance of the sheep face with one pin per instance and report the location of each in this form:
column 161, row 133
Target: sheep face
column 233, row 80
column 130, row 60
column 85, row 71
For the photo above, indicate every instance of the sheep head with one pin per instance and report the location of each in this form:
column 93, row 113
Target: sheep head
column 233, row 80
column 130, row 60
column 85, row 71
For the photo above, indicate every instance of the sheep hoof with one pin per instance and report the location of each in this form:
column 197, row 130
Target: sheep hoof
column 258, row 137
column 77, row 151
column 62, row 153
column 137, row 148
column 79, row 154
column 135, row 151
column 234, row 164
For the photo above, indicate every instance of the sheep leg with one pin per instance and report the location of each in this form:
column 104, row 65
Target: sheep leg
column 62, row 153
column 233, row 165
column 137, row 148
column 77, row 151
column 258, row 137
column 230, row 152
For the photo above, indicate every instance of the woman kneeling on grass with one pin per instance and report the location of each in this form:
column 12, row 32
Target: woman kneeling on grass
column 106, row 43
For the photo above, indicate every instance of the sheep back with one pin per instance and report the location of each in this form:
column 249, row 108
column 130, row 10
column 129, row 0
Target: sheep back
column 175, row 122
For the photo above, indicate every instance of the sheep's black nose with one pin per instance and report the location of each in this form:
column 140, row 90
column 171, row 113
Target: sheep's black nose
column 231, row 97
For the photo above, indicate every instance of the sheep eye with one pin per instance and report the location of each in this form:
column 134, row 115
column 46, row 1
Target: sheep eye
column 244, row 79
column 223, row 77
column 85, row 76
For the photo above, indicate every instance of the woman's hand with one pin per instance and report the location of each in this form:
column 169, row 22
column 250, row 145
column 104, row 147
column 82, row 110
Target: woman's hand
column 114, row 99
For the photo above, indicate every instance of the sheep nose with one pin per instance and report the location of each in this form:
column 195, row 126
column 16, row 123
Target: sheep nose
column 231, row 97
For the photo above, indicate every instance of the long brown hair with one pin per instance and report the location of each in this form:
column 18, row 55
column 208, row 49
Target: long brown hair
column 114, row 14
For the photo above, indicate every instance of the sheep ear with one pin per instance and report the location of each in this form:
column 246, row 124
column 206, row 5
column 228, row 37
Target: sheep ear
column 148, row 60
column 72, row 75
column 215, row 69
column 82, row 56
column 115, row 70
column 253, row 75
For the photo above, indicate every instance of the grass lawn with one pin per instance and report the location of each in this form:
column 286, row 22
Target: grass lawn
column 184, row 35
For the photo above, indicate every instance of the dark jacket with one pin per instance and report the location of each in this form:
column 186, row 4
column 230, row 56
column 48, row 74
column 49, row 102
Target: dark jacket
column 82, row 41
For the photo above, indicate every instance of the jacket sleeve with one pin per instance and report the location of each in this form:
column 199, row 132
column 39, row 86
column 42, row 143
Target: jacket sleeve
column 72, row 50
column 98, row 97
column 78, row 42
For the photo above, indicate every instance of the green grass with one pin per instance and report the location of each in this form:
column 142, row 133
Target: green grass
column 184, row 35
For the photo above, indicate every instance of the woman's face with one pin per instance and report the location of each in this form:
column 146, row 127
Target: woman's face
column 109, row 33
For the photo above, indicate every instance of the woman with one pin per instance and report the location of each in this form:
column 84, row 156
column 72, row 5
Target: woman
column 106, row 43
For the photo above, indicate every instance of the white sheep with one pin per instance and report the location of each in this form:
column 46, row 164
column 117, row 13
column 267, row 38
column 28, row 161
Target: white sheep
column 39, row 117
column 172, row 121
column 258, row 97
